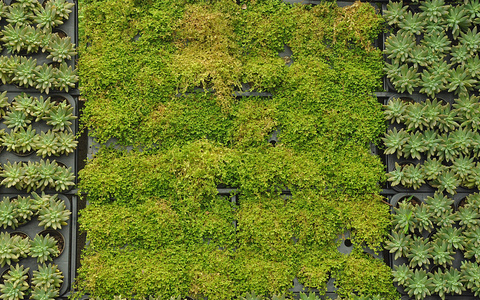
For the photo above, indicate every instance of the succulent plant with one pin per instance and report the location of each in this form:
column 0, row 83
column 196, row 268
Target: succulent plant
column 66, row 142
column 398, row 244
column 32, row 39
column 16, row 119
column 418, row 285
column 432, row 168
column 46, row 172
column 472, row 65
column 413, row 176
column 411, row 24
column 17, row 15
column 406, row 79
column 460, row 54
column 7, row 64
column 419, row 56
column 414, row 147
column 447, row 121
column 60, row 117
column 8, row 213
column 463, row 140
column 13, row 175
column 8, row 250
column 14, row 37
column 64, row 179
column 403, row 220
column 453, row 236
column 457, row 20
column 415, row 118
column 438, row 283
column 437, row 42
column 65, row 77
column 23, row 246
column 47, row 144
column 17, row 274
column 462, row 167
column 459, row 81
column 395, row 110
column 54, row 215
column 467, row 217
column 23, row 102
column 46, row 17
column 401, row 274
column 63, row 7
column 4, row 104
column 61, row 49
column 466, row 106
column 397, row 47
column 44, row 294
column 430, row 141
column 434, row 10
column 30, row 175
column 471, row 39
column 395, row 12
column 471, row 276
column 453, row 281
column 45, row 40
column 432, row 111
column 419, row 254
column 395, row 141
column 47, row 275
column 43, row 200
column 472, row 237
column 423, row 218
column 24, row 74
column 442, row 254
column 13, row 290
column 439, row 205
column 473, row 180
column 44, row 78
column 472, row 8
column 28, row 5
column 26, row 140
column 447, row 181
column 44, row 248
column 431, row 83
column 396, row 176
column 447, row 148
column 24, row 208
column 41, row 107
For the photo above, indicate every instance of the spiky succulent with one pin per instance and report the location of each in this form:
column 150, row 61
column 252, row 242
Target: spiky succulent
column 12, row 175
column 401, row 274
column 26, row 140
column 403, row 219
column 430, row 141
column 463, row 140
column 447, row 181
column 447, row 121
column 438, row 283
column 23, row 246
column 414, row 147
column 43, row 248
column 47, row 276
column 13, row 290
column 431, row 83
column 422, row 218
column 41, row 107
column 471, row 276
column 24, row 74
column 434, row 10
column 419, row 56
column 453, row 236
column 415, row 118
column 397, row 47
column 394, row 141
column 467, row 217
column 432, row 111
column 418, row 285
column 411, row 24
column 44, row 78
column 64, row 179
column 8, row 214
column 7, row 65
column 24, row 208
column 414, row 177
column 23, row 102
column 459, row 81
column 447, row 148
column 4, row 104
column 463, row 166
column 32, row 39
column 472, row 65
column 44, row 294
column 43, row 200
column 64, row 8
column 395, row 110
column 61, row 49
column 47, row 144
column 396, row 176
column 442, row 254
column 395, row 12
column 66, row 142
column 439, row 205
column 453, row 281
column 471, row 40
column 406, row 80
column 54, row 215
column 398, row 244
column 457, row 20
column 47, row 17
column 46, row 172
column 17, row 15
column 14, row 37
column 460, row 54
column 65, row 77
column 8, row 249
column 466, row 107
column 60, row 117
column 17, row 274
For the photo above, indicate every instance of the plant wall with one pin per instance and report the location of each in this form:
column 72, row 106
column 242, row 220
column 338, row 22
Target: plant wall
column 180, row 87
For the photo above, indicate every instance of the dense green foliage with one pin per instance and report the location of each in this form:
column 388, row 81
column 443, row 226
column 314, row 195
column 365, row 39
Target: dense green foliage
column 161, row 77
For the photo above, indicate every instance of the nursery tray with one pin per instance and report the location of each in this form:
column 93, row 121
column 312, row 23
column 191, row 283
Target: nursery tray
column 66, row 260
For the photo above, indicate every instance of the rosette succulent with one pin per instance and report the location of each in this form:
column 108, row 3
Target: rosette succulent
column 47, row 275
column 43, row 248
column 54, row 215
